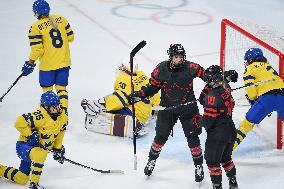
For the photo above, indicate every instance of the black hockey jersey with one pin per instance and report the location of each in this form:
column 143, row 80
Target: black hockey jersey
column 218, row 105
column 176, row 85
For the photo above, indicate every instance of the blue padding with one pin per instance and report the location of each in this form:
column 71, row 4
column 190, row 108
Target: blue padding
column 23, row 151
column 54, row 77
column 25, row 167
column 123, row 111
column 266, row 104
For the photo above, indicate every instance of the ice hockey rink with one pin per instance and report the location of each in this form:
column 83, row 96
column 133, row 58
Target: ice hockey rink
column 105, row 33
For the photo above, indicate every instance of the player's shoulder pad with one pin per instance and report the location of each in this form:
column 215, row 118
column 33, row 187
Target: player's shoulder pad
column 157, row 69
column 162, row 65
column 192, row 64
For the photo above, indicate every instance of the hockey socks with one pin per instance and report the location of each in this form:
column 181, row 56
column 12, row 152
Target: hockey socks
column 242, row 131
column 153, row 155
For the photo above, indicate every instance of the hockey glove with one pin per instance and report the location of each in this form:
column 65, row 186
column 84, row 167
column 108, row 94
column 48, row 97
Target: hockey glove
column 84, row 104
column 251, row 102
column 136, row 97
column 59, row 154
column 92, row 108
column 231, row 76
column 33, row 139
column 28, row 68
column 195, row 122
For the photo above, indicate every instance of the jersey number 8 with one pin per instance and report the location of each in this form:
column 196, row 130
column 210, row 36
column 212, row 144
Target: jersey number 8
column 55, row 35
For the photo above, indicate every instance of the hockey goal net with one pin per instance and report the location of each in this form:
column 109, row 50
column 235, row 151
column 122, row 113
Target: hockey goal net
column 236, row 38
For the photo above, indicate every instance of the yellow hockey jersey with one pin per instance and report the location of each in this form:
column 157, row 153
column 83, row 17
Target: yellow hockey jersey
column 122, row 88
column 257, row 72
column 50, row 132
column 49, row 40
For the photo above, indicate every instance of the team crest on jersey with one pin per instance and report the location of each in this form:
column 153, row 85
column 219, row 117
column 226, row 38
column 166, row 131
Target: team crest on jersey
column 211, row 100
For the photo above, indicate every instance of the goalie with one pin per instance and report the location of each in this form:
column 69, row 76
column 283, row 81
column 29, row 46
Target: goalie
column 112, row 114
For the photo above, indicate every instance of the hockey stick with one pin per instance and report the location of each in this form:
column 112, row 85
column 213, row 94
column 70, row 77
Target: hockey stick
column 132, row 54
column 18, row 78
column 180, row 105
column 84, row 166
column 172, row 107
column 253, row 84
column 93, row 169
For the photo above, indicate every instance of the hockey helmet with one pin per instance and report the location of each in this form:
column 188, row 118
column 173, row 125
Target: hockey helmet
column 41, row 8
column 213, row 74
column 49, row 98
column 176, row 49
column 253, row 55
column 50, row 102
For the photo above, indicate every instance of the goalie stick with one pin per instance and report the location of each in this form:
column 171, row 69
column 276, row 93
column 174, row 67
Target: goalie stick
column 179, row 105
column 132, row 54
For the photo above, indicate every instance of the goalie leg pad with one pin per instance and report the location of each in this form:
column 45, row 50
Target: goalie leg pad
column 113, row 124
column 92, row 107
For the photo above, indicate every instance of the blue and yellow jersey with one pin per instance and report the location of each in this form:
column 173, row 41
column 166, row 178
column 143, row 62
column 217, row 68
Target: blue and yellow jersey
column 49, row 40
column 50, row 132
column 122, row 88
column 257, row 72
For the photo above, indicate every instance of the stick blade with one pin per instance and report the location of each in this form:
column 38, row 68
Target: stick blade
column 137, row 48
column 116, row 172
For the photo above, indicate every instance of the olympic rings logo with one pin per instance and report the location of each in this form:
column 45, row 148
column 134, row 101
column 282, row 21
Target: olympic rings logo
column 166, row 15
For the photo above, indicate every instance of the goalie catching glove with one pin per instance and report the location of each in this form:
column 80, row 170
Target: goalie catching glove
column 93, row 107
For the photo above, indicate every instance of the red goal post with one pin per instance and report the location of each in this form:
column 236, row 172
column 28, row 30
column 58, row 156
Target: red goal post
column 237, row 37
